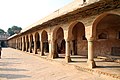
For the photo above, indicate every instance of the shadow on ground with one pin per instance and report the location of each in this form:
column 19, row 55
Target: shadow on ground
column 8, row 63
column 12, row 69
column 13, row 76
column 11, row 58
column 108, row 66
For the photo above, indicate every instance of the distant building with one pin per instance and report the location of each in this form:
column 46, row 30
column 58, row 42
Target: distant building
column 3, row 40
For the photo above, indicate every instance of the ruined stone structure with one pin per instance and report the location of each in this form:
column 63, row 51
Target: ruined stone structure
column 88, row 28
column 3, row 40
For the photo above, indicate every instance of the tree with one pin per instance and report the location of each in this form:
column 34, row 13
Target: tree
column 14, row 30
column 2, row 31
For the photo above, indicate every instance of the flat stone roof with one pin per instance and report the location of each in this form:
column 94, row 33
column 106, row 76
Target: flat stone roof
column 71, row 7
column 12, row 36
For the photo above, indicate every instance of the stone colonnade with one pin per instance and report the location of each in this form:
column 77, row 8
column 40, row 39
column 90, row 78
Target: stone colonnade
column 51, row 38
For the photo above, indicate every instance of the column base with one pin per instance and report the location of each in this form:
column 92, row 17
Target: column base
column 67, row 59
column 55, row 55
column 35, row 52
column 30, row 51
column 26, row 50
column 50, row 56
column 41, row 54
column 91, row 64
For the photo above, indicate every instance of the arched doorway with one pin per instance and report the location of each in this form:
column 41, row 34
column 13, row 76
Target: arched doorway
column 20, row 43
column 107, row 33
column 37, row 43
column 59, row 41
column 78, row 41
column 31, row 45
column 76, row 36
column 24, row 48
column 44, row 42
column 27, row 43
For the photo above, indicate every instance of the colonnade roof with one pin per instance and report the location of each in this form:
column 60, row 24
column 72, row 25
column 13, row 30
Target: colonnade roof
column 62, row 11
column 12, row 36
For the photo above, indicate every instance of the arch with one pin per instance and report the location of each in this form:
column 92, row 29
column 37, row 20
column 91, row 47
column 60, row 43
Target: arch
column 31, row 37
column 27, row 43
column 37, row 37
column 56, row 31
column 24, row 45
column 99, row 19
column 37, row 42
column 31, row 43
column 104, row 25
column 76, row 36
column 44, row 39
column 44, row 36
column 70, row 29
column 58, row 37
column 21, row 43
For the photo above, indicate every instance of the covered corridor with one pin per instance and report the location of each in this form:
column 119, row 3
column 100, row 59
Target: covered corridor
column 78, row 33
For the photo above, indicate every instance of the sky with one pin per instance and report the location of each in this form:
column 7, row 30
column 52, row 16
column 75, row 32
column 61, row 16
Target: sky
column 23, row 13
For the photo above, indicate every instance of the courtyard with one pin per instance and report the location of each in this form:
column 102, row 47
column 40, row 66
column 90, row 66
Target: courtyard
column 18, row 65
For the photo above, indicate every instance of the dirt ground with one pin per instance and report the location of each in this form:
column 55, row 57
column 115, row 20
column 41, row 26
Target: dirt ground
column 16, row 65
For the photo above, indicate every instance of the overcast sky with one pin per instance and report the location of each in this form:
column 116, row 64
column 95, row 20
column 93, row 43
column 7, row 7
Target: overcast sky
column 23, row 13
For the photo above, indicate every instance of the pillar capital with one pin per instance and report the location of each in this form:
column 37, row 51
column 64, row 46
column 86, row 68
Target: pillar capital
column 90, row 39
column 49, row 41
column 67, row 40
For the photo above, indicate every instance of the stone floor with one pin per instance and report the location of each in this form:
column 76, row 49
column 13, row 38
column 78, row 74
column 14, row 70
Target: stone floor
column 17, row 65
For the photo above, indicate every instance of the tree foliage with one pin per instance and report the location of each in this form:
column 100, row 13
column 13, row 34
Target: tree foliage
column 14, row 30
column 2, row 31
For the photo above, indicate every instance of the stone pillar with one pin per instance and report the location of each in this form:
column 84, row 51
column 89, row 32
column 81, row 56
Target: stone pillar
column 26, row 46
column 30, row 47
column 91, row 62
column 52, row 48
column 67, row 56
column 42, row 48
column 23, row 45
column 20, row 45
column 35, row 47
